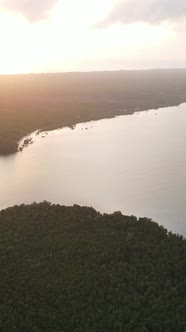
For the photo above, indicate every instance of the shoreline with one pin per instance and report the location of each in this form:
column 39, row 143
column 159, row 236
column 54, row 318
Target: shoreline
column 29, row 138
column 53, row 101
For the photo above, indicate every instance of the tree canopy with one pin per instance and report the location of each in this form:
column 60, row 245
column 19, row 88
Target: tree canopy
column 74, row 269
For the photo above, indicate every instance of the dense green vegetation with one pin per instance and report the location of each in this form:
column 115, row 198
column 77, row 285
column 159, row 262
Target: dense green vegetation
column 73, row 269
column 50, row 101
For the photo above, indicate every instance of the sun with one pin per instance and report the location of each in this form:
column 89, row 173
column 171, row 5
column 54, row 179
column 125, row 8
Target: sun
column 12, row 37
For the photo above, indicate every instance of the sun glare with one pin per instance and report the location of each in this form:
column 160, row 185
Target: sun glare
column 70, row 39
column 13, row 57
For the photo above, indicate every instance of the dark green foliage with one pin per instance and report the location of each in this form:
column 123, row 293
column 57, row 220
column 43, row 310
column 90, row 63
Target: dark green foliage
column 73, row 269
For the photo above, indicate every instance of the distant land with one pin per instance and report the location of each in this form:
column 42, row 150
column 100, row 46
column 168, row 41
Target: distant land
column 51, row 101
column 73, row 269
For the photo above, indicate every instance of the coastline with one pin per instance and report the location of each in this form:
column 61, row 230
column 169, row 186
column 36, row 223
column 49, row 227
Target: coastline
column 54, row 101
column 29, row 139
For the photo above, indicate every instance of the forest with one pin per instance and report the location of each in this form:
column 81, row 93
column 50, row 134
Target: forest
column 50, row 101
column 74, row 269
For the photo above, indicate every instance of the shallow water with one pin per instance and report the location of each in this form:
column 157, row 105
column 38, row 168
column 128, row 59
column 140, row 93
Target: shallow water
column 135, row 164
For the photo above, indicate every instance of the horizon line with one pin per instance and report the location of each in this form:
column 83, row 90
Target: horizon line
column 93, row 71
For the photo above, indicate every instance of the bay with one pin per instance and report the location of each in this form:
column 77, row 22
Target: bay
column 135, row 164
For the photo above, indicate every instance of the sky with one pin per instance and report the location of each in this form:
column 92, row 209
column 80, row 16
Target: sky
column 87, row 35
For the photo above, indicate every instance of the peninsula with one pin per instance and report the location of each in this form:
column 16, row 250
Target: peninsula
column 74, row 269
column 51, row 101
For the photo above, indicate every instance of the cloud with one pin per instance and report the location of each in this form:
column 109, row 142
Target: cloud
column 33, row 10
column 151, row 11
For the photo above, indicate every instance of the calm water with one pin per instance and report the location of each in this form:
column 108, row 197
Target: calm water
column 135, row 164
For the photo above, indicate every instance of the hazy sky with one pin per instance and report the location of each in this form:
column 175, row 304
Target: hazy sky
column 78, row 35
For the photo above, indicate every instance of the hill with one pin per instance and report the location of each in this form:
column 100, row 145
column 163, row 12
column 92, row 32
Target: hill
column 74, row 269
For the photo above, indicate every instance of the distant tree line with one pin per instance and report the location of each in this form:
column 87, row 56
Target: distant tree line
column 51, row 101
